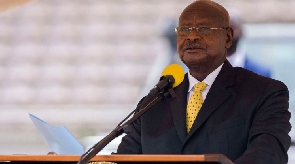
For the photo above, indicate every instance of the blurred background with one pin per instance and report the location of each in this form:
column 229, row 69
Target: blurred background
column 85, row 64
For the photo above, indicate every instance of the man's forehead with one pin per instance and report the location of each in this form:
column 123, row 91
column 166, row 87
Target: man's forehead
column 197, row 10
column 199, row 17
column 204, row 10
column 194, row 21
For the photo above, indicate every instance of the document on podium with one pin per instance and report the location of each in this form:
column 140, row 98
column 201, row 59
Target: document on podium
column 58, row 138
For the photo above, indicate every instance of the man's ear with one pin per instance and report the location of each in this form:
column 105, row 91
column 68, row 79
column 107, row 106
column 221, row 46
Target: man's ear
column 229, row 35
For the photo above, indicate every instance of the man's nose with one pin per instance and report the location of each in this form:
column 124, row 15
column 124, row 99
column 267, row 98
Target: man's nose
column 194, row 35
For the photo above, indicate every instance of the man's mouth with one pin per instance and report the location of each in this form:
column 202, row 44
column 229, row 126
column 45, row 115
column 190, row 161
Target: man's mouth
column 192, row 49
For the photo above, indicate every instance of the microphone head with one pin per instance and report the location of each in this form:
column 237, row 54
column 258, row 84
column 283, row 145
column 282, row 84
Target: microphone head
column 176, row 71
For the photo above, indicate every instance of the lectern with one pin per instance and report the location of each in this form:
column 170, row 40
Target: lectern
column 72, row 159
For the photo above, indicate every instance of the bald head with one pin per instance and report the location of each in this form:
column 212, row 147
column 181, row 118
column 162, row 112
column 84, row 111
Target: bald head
column 205, row 37
column 214, row 11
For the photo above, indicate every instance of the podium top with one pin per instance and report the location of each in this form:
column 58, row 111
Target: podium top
column 217, row 158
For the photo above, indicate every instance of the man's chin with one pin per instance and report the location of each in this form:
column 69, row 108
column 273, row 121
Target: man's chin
column 196, row 58
column 194, row 61
column 192, row 64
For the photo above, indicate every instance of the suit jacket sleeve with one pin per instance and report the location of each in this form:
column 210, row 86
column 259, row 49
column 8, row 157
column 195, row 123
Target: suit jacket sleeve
column 268, row 140
column 131, row 143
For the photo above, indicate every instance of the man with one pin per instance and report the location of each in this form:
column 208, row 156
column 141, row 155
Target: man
column 243, row 116
column 238, row 58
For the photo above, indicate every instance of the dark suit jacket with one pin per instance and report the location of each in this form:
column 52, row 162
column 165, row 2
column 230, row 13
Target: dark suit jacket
column 244, row 116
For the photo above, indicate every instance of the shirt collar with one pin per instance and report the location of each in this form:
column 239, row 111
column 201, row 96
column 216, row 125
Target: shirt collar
column 208, row 80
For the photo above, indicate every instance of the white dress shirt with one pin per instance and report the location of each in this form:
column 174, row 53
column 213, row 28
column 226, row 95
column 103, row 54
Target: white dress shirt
column 208, row 80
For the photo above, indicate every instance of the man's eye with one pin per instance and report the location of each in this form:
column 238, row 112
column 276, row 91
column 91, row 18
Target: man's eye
column 184, row 29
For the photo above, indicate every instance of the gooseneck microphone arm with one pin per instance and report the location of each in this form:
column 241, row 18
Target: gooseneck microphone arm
column 163, row 90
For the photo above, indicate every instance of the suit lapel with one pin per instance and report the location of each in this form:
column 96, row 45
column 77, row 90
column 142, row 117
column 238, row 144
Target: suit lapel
column 178, row 107
column 217, row 94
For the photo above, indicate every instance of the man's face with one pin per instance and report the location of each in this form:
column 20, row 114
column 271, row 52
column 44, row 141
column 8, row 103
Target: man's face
column 197, row 48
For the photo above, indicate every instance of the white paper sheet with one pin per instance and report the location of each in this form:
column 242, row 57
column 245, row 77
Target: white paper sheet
column 58, row 138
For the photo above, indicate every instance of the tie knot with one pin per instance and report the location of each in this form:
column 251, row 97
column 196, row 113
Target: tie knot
column 200, row 86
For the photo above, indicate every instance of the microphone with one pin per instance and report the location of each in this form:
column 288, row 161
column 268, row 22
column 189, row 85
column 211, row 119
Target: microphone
column 171, row 77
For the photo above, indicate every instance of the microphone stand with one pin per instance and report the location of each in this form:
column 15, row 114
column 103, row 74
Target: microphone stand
column 123, row 127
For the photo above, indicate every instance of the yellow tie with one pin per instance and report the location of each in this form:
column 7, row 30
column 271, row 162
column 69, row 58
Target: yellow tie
column 194, row 104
